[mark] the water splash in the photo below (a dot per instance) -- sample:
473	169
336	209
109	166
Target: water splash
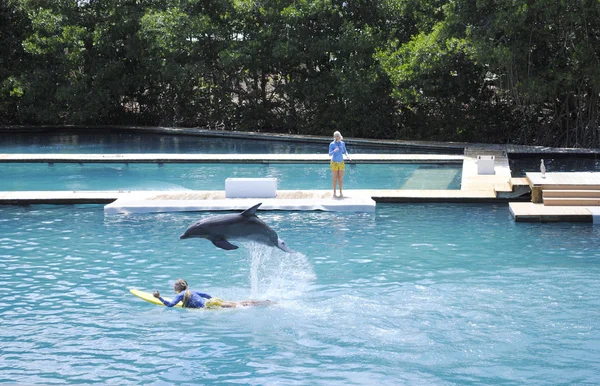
277	274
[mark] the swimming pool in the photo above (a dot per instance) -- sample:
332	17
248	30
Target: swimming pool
72	176
413	294
521	164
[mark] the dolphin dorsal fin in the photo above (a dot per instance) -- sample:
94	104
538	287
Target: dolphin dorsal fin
251	211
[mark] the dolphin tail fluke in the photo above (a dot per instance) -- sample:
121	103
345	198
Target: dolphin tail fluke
251	211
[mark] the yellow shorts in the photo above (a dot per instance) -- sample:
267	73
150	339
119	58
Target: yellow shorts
337	166
213	303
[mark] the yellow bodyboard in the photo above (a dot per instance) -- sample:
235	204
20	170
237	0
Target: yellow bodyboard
150	298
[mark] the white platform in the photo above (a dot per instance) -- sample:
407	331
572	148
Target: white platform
132	205
251	187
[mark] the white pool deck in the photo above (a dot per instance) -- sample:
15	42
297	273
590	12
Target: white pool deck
194	202
531	212
495	187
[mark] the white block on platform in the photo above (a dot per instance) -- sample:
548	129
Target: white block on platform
485	164
251	187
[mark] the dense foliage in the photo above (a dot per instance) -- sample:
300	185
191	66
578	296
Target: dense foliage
455	70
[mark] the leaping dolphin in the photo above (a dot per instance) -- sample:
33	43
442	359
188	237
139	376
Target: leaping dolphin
244	226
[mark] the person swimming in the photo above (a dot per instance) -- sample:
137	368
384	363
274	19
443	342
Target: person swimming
196	299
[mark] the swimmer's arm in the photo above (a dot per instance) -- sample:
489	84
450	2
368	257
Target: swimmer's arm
206	296
173	302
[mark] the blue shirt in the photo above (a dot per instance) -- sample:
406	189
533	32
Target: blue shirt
337	156
196	301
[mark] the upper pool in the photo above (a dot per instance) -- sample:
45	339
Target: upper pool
119	142
73	176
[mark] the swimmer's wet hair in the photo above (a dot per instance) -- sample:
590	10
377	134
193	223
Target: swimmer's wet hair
182	283
187	295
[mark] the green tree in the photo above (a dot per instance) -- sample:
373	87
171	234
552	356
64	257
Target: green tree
308	67
13	27
186	82
81	60
542	59
469	70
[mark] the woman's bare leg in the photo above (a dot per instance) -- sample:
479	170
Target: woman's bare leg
229	305
247	303
341	181
334	177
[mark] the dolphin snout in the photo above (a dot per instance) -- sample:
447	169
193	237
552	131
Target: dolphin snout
189	235
281	245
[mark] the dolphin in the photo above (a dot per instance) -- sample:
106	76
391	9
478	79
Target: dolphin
241	226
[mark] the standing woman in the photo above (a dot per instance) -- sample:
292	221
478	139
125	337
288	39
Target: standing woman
337	149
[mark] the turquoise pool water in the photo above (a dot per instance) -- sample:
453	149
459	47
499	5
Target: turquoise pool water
33	176
412	294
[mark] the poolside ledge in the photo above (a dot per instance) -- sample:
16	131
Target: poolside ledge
534	212
129	206
194	201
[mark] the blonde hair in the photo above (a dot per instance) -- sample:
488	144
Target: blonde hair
188	294
337	133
